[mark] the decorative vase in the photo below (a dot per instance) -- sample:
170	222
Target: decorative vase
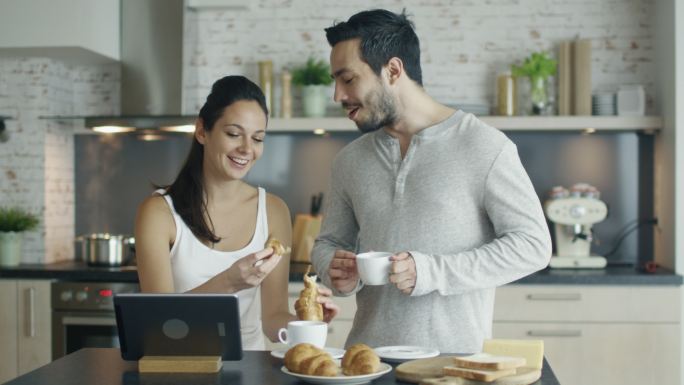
10	248
314	99
539	95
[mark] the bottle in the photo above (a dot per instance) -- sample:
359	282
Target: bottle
266	83
286	98
506	94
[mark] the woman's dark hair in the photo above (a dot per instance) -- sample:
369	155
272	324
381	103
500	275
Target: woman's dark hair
187	191
384	35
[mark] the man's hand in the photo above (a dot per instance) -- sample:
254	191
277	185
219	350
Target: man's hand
343	272
403	272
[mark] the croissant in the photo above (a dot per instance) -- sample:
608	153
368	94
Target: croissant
307	306
277	246
310	360
360	359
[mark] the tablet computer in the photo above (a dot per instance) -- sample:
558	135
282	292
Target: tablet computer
178	325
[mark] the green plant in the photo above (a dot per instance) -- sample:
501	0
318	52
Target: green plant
537	65
16	219
312	73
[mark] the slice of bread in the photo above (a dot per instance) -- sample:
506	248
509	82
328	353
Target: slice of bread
488	361
478	375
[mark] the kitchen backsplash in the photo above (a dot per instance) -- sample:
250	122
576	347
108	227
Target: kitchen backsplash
111	183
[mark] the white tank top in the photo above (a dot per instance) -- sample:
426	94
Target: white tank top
193	263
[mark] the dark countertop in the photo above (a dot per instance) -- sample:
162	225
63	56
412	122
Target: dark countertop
79	271
105	367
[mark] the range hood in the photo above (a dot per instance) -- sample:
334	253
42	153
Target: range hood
151	69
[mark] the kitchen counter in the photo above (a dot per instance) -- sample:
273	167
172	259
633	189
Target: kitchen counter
79	271
105	367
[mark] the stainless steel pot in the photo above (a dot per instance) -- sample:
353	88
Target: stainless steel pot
102	249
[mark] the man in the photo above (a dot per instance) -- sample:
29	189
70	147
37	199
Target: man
439	188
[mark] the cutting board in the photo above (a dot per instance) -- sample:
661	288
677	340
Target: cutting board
426	370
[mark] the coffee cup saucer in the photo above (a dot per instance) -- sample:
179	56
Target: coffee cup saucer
334	352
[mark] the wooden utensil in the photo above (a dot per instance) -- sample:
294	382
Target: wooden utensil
430	371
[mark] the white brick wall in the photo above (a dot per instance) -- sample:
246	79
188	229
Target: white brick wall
464	43
37	163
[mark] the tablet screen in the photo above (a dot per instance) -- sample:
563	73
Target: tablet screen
178	325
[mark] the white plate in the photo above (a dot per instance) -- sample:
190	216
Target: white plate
334	352
341	378
404	353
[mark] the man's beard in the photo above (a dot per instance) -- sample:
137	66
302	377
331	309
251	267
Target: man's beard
382	109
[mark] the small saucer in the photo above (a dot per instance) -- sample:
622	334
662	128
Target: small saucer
404	353
334	352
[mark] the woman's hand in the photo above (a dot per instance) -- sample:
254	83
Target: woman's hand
250	271
330	309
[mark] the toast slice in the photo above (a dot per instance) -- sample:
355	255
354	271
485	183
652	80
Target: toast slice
478	375
488	361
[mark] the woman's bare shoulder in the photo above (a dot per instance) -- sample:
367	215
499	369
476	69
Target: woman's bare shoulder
154	205
275	205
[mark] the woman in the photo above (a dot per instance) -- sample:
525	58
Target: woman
205	233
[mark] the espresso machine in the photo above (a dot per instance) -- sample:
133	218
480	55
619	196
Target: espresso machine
574	213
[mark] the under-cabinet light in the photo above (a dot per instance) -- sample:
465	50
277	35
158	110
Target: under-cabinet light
319	131
588	131
189	128
112	129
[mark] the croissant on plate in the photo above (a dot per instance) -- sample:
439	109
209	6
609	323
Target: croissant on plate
360	359
307	306
310	360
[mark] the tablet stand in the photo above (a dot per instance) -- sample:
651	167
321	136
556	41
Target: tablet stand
180	364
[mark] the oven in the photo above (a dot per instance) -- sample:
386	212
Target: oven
83	315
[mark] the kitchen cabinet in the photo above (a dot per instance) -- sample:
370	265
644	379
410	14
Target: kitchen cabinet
25	326
338	329
597	334
76	31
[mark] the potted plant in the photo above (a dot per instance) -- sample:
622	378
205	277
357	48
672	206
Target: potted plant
313	78
13	222
538	67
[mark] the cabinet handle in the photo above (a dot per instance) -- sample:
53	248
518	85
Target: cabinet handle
30	312
554	333
555	297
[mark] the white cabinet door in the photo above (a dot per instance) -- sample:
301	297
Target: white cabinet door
604	353
8	330
34	325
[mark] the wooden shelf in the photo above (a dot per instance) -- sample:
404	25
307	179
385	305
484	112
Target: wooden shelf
648	124
547	124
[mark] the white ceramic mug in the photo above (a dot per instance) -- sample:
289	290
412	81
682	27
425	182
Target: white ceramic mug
297	332
374	267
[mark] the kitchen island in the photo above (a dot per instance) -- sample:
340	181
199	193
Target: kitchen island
105	367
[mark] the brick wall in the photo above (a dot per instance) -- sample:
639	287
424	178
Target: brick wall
464	43
37	163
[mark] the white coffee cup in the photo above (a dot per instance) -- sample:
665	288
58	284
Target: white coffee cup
297	332
374	267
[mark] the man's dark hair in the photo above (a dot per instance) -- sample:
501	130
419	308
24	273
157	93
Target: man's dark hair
383	35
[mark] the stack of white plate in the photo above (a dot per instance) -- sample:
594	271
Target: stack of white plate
603	104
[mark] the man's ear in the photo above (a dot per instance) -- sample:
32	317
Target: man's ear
395	69
200	132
